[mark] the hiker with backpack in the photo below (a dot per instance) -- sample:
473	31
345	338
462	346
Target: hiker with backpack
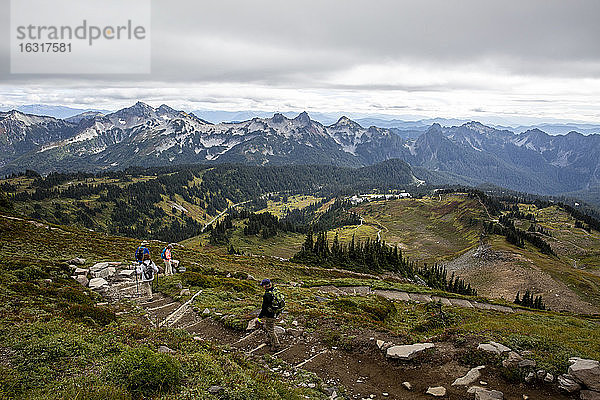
272	305
147	269
141	251
167	258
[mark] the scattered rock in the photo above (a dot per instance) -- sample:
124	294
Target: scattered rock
380	343
586	372
165	349
549	378
493	347
279	330
214	389
294	332
295	323
526	363
97	283
540	374
80	271
437	391
251	324
568	384
487	394
408	352
473	389
207	312
82	279
77	261
530	377
98	266
102	273
407	385
513	360
470	377
185	292
127	272
589	395
198	338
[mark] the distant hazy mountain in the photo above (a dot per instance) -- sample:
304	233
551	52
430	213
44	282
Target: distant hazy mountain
472	153
61	112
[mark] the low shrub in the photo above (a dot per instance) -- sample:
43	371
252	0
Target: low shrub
199	280
90	313
144	372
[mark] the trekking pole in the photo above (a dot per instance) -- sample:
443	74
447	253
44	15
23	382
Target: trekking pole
137	285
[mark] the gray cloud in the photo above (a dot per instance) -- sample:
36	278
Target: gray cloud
261	53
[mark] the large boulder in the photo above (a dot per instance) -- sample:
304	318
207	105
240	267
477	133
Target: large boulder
493	347
568	384
97	283
586	372
77	261
409	351
469	378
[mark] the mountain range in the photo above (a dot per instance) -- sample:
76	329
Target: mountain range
470	153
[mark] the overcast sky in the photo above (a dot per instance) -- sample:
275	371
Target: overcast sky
465	59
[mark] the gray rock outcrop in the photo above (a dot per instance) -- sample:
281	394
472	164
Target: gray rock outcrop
586	372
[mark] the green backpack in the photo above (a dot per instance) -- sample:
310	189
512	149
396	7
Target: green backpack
278	303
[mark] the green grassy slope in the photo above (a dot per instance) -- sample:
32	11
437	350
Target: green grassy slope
78	344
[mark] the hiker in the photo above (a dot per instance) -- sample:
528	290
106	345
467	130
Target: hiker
141	251
167	258
273	303
146	269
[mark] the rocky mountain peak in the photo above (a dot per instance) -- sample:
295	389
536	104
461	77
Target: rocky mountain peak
278	118
303	118
345	121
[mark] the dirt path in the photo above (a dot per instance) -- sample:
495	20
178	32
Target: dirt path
364	372
223	213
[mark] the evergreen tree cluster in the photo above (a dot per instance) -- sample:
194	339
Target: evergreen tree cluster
367	256
436	277
506	227
528	300
218	233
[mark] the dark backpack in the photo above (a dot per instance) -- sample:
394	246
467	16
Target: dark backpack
148	271
278	303
139	253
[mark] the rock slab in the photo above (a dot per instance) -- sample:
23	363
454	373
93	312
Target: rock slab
568	384
437	391
487	394
409	351
97	283
469	378
493	347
